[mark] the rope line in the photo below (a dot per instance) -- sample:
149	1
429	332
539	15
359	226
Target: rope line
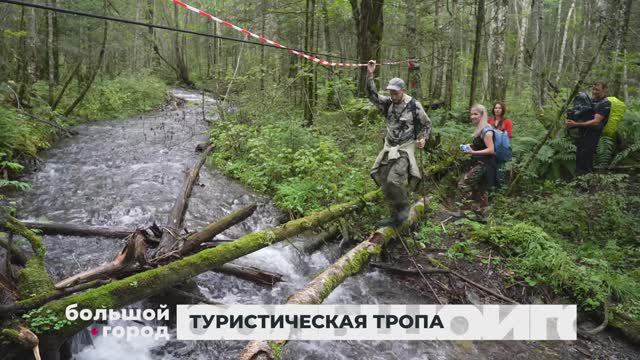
297	52
151	25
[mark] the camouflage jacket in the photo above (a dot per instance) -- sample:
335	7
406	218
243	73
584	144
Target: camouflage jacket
399	118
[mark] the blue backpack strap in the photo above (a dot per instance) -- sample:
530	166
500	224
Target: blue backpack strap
487	129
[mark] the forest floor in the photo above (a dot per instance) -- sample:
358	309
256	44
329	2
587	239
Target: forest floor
485	267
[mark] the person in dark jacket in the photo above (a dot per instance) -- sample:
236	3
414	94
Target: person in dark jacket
591	130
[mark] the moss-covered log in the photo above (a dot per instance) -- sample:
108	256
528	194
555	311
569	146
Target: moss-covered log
34	278
139	286
322	285
43	298
208	233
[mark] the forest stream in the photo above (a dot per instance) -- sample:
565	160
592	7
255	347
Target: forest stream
127	173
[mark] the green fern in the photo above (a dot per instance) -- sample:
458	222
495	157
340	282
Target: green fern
17	185
606	149
625	153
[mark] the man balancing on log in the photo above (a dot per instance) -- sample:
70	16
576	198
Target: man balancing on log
396	169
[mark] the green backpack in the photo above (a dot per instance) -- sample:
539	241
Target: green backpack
615	117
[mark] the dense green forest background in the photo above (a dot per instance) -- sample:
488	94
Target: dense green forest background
304	134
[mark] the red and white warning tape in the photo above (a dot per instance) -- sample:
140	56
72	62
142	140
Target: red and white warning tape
271	42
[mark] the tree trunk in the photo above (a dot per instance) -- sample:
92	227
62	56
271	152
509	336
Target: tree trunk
179	49
176	217
620	64
553	41
452	55
564	41
434	78
84	91
539	73
67	82
476	51
263	28
50	55
369	37
120	293
497	81
322	285
308	66
413	43
78	230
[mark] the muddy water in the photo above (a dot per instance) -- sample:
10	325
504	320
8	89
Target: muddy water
127	173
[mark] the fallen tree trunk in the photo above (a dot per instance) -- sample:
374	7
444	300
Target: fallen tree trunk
24	337
135	252
318	240
250	273
78	230
120	293
208	233
168	240
38	300
322	285
132	254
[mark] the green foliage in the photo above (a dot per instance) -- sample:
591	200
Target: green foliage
304	172
580	239
541	260
122	96
606	210
41	321
20	136
605	152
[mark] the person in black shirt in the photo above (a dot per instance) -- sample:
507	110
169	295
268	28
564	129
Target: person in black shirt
474	187
591	130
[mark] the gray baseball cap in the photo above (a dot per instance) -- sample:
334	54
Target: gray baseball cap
396	84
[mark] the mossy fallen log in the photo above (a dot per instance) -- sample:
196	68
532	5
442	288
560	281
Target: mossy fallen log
120	293
322	285
192	242
33	278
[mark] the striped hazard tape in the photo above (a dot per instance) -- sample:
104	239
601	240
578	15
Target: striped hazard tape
276	44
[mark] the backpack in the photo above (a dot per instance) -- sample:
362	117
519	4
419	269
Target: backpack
582	108
615	117
413	107
501	144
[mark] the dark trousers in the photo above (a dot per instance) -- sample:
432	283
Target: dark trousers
586	151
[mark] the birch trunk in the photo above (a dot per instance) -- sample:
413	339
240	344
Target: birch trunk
322	285
564	40
497	74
